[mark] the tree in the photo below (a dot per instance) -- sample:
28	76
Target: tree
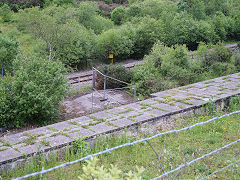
118	15
47	26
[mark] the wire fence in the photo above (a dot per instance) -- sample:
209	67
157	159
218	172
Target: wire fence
147	140
100	94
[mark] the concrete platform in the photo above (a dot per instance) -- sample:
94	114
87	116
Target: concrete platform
16	147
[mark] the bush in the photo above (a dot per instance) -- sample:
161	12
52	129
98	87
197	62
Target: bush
60	2
177	66
6	102
118	15
8	52
34	92
93	171
213	54
148	31
78	46
119	42
22	4
183	29
116	71
5	13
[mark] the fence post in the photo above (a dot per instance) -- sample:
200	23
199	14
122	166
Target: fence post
94	77
104	95
135	93
79	83
2	72
92	99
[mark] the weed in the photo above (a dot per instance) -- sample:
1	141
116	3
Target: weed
45	143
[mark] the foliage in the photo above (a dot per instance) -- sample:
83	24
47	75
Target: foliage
176	66
60	3
22	4
78	46
93	171
81	147
6	103
213	54
116	41
5	13
34	92
169	67
116	71
118	15
8	52
148	31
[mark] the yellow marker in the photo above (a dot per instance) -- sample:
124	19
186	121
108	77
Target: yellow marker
111	57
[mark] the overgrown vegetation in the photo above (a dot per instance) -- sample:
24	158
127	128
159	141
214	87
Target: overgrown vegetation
179	148
75	34
85	33
33	94
169	67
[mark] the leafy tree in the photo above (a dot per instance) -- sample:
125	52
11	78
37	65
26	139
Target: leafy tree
46	26
66	3
183	29
194	7
148	31
8	52
118	15
158	9
16	5
116	41
78	46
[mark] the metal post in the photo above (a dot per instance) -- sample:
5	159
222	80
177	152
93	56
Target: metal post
135	93
104	96
92	100
79	83
94	77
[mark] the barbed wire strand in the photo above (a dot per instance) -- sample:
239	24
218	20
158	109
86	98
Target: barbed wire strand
124	145
219	170
195	160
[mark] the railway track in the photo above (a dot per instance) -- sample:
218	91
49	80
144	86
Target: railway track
86	77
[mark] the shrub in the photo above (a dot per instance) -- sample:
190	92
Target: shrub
22	4
213	54
93	171
78	46
60	2
183	29
148	31
6	102
116	71
35	91
99	24
5	13
8	52
118	15
119	42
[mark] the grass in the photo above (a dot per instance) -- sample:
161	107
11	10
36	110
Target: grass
181	147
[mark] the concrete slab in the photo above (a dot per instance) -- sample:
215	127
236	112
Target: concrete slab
122	122
102	128
9	155
14	138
